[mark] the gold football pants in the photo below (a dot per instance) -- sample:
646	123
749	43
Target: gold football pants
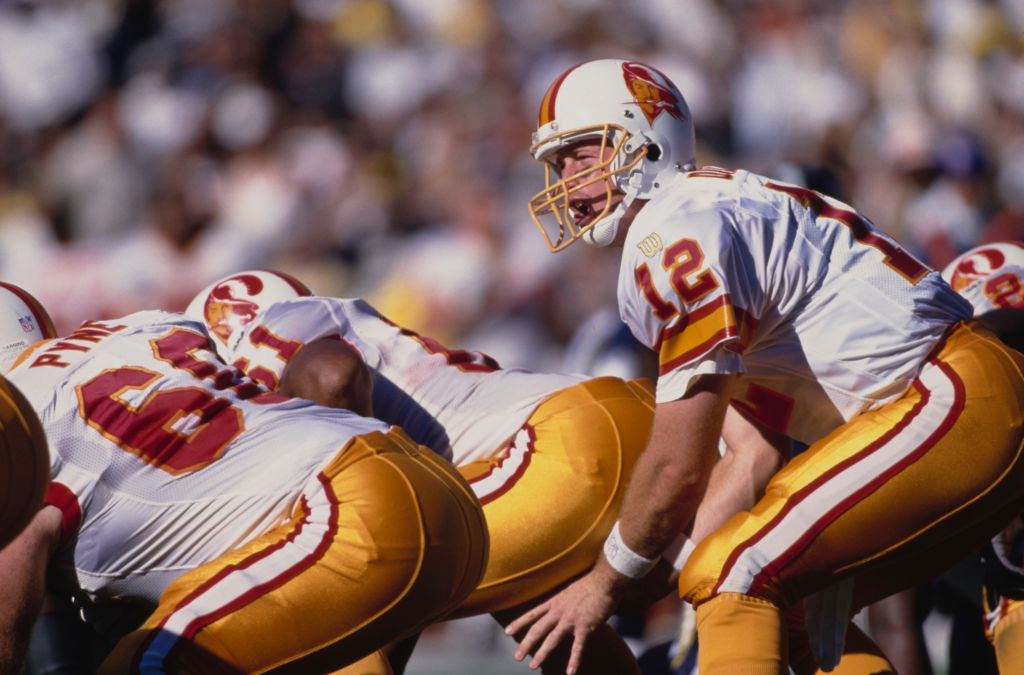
551	499
894	496
388	540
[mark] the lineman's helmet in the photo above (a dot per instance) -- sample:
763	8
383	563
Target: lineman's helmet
982	262
233	301
23	322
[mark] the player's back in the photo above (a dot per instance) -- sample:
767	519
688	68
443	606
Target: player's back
826	313
162	457
442	398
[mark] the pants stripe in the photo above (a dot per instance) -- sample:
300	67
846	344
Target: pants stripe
814	507
504	475
233	586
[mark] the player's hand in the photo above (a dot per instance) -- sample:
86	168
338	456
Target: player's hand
577	610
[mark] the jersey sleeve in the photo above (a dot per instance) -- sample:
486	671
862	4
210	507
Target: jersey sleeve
677	296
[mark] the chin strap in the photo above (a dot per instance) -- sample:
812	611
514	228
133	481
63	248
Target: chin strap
604	230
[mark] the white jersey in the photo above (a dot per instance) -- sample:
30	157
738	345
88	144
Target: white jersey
824	316
459	403
163	454
990	276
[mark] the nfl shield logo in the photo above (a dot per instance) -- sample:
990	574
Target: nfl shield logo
26	324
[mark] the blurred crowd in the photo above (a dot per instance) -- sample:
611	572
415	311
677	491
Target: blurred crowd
380	147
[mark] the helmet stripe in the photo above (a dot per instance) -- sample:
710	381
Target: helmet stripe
38	313
547	106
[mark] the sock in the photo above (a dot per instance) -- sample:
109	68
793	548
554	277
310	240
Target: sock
1009	638
741	635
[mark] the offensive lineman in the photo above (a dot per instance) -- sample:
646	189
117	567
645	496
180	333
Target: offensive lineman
991	277
274	533
790	308
547	454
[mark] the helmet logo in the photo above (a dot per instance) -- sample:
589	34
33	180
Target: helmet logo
976	266
228	305
27	324
651	91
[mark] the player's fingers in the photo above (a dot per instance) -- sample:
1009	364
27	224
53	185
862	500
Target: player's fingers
537	631
576	655
550	642
525	619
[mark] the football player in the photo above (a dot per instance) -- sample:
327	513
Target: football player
268	532
24	471
991	277
548	455
790	308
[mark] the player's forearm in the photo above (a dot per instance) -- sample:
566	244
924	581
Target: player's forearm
23	586
662	499
734	486
671	476
753	455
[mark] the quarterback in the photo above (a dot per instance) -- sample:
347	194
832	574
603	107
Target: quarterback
792	312
267	532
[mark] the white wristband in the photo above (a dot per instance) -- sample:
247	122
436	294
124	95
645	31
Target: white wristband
679	551
622	559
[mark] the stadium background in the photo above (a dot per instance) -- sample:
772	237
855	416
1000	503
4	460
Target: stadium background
379	148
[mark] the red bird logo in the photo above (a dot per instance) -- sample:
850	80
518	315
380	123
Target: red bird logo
651	91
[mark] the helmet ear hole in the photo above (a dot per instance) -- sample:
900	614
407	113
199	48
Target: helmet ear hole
653	152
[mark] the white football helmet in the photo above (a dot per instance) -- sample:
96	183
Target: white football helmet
981	262
628	106
23	322
233	301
